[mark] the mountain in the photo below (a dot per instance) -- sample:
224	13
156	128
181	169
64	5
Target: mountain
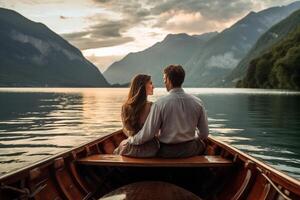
278	67
263	44
206	36
174	49
33	55
209	66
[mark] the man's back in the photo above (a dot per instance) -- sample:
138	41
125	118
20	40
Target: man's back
180	114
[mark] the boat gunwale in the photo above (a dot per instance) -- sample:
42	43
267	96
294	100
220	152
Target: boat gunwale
275	175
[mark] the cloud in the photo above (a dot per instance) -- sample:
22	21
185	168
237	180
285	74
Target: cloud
269	3
131	10
212	9
225	61
192	23
193	16
90	43
103	34
108	29
13	3
190	16
204	15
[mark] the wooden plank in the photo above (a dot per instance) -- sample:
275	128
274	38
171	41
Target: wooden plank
117	160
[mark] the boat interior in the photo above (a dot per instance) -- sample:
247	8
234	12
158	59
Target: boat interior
91	171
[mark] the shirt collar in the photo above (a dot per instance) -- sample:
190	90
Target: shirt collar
176	90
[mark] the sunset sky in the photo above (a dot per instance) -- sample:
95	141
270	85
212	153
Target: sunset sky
107	30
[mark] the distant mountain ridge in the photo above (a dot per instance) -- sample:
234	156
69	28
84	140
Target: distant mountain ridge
174	49
33	55
263	44
208	62
206	36
209	67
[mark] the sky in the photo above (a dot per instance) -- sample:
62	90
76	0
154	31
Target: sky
107	30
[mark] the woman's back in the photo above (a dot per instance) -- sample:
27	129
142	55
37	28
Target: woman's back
145	113
141	120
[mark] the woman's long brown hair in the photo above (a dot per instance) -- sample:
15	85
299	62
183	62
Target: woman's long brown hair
133	107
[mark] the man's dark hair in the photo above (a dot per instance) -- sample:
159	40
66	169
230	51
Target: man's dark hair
176	74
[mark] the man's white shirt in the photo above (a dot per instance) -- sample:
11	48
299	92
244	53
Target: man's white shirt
175	118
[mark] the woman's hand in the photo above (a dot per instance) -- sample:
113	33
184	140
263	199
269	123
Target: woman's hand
124	143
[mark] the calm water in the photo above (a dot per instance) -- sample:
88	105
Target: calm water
36	123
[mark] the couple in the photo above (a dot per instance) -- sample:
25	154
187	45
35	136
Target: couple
172	127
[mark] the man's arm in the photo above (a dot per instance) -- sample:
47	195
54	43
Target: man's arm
150	128
203	124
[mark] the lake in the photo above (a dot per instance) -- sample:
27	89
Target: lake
36	123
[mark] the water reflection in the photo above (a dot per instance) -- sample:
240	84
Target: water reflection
36	123
101	111
263	125
31	125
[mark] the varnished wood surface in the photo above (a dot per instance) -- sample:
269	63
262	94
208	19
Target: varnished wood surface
150	190
117	160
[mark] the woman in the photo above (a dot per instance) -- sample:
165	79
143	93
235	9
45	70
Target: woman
134	113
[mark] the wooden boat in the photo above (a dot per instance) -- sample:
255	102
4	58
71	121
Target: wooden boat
91	171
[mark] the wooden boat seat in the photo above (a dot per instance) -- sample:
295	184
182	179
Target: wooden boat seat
118	160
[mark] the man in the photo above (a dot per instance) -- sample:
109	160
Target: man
178	120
